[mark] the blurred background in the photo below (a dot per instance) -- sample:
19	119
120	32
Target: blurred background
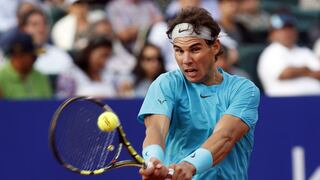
113	49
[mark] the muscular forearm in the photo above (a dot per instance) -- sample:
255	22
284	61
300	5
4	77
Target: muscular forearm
219	144
153	136
156	130
227	132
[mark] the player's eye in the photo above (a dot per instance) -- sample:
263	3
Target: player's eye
178	51
195	50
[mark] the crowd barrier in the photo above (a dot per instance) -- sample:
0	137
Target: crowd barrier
287	141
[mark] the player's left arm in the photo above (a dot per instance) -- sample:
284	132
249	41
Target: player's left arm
227	132
241	115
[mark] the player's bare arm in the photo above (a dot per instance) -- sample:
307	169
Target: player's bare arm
227	132
157	127
156	130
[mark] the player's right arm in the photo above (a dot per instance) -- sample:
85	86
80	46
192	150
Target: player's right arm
157	127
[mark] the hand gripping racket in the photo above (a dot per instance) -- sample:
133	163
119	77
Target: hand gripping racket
80	146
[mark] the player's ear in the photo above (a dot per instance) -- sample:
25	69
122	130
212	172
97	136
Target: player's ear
216	46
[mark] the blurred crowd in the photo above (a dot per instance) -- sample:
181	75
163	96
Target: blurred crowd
116	48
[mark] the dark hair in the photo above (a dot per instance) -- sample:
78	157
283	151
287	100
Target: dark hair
197	17
82	59
139	72
24	19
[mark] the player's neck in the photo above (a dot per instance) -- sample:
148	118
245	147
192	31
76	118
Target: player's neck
216	79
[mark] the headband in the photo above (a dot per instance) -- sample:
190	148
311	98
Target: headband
186	30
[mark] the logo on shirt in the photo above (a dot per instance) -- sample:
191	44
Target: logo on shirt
161	101
146	154
193	155
204	96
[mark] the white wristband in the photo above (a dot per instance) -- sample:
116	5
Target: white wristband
201	159
154	150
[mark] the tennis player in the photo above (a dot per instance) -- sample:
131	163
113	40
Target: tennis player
199	119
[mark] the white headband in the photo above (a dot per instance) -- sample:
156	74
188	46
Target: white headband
186	30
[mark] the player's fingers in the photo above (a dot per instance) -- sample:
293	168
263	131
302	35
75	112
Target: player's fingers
163	171
147	171
154	161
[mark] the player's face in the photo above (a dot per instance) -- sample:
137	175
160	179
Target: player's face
196	59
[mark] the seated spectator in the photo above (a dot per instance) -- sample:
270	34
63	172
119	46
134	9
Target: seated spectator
131	19
120	55
175	6
72	31
18	78
20	9
88	78
252	17
284	68
227	62
51	60
229	23
149	66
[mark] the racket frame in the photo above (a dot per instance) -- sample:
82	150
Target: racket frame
137	160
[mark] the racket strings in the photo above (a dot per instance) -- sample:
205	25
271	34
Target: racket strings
78	139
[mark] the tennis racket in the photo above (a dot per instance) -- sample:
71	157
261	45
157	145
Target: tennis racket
80	146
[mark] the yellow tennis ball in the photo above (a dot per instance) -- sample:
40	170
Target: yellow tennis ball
108	121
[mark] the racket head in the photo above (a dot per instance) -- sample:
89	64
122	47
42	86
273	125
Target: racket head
79	145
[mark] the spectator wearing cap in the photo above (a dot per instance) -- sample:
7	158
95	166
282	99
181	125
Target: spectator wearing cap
18	78
284	68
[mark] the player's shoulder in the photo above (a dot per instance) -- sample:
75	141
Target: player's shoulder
171	76
239	83
169	80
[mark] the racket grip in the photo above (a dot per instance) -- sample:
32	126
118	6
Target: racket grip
171	172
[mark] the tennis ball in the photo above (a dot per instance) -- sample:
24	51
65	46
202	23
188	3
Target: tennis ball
108	121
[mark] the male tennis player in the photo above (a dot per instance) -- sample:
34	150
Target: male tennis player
199	119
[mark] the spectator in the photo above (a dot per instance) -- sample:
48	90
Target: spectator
227	62
229	24
22	8
175	6
18	78
284	68
149	66
52	60
252	17
131	20
88	77
120	55
71	31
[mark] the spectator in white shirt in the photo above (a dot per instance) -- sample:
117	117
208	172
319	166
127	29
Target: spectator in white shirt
284	68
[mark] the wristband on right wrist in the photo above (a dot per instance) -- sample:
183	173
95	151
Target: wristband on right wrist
154	150
201	159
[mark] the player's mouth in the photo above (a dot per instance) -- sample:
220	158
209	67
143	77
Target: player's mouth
190	72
